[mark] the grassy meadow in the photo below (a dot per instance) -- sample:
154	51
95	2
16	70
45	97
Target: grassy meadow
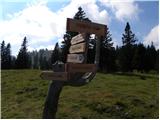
23	94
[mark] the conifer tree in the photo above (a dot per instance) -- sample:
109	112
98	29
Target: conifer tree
55	54
8	56
22	61
139	57
107	57
127	50
150	58
128	37
3	55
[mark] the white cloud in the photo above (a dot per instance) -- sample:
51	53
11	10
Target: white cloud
40	24
152	36
123	10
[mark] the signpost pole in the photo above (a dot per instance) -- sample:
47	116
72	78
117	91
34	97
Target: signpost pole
51	103
98	42
55	88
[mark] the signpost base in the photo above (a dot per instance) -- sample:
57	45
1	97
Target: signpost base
51	103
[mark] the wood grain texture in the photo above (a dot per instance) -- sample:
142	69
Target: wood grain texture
78	48
86	27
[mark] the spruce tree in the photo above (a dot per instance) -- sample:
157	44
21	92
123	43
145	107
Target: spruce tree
55	54
107	57
81	15
127	50
128	37
22	61
3	55
139	57
150	58
8	56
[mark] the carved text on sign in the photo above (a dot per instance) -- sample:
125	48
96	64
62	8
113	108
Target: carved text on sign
78	48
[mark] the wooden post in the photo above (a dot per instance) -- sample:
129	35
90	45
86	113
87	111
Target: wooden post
87	45
98	43
51	103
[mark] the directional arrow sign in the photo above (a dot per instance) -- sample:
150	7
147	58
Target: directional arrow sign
77	48
75	58
77	39
50	75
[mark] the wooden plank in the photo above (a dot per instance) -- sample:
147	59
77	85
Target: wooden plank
50	75
72	68
77	39
87	27
78	48
75	58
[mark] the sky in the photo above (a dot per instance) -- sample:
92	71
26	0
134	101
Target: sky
43	22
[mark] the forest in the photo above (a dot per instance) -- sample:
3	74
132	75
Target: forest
131	56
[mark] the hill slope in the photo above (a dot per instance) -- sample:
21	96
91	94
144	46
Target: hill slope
107	96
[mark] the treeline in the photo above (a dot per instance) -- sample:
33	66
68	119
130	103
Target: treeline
126	58
25	60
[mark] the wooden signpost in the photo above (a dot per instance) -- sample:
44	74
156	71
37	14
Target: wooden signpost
76	69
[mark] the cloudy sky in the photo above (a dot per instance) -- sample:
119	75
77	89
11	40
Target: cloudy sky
43	22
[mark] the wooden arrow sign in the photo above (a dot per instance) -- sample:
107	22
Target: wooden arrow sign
86	27
78	48
75	58
73	68
77	39
50	75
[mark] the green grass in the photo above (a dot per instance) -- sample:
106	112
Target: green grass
107	96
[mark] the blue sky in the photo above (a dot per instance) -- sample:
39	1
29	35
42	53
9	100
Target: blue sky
44	21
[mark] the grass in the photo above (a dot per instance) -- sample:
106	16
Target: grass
23	94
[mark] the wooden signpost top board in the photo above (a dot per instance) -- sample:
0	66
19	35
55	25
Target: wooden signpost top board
85	26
